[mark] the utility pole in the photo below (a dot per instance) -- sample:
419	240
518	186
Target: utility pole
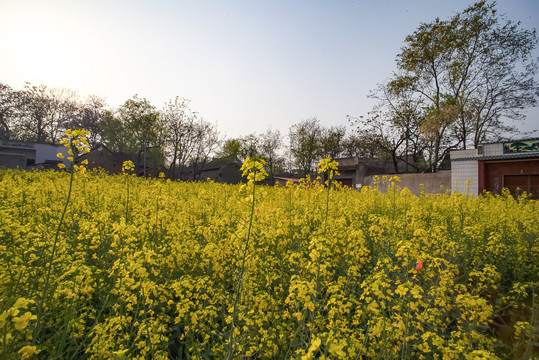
145	146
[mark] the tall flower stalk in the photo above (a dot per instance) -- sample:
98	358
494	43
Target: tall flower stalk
329	168
253	169
127	168
75	141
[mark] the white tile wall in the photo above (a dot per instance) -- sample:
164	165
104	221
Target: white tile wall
493	149
462	171
458	154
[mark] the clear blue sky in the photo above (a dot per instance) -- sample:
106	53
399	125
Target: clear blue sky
245	65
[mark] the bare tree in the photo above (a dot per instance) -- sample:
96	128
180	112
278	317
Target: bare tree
10	106
395	127
242	147
46	113
180	132
332	141
90	116
206	143
271	143
136	129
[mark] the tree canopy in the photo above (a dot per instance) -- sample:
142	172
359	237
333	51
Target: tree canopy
466	77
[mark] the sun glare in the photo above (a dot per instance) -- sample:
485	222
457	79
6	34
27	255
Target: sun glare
43	57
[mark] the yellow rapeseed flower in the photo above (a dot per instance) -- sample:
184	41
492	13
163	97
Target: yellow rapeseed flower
120	353
253	169
128	166
329	167
21	322
76	142
354	292
26	351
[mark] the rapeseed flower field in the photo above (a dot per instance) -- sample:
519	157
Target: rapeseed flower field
133	268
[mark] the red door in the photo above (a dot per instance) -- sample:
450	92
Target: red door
513	174
517	184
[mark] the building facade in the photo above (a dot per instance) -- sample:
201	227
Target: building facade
26	156
491	167
355	172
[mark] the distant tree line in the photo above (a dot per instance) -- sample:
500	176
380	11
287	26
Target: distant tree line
458	82
175	136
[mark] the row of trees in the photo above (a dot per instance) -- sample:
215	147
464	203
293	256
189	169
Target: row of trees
458	82
174	136
307	142
41	114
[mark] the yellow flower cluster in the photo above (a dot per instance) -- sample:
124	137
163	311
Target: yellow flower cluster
76	142
328	167
253	169
14	323
154	273
128	166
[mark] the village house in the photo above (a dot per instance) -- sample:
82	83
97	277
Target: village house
102	157
224	169
27	156
493	166
356	172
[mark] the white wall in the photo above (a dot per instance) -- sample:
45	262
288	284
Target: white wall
458	154
48	152
461	171
493	149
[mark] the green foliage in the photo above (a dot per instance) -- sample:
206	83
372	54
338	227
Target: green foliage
305	144
468	75
136	129
266	146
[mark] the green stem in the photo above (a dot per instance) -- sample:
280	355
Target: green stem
232	344
327	208
127	199
323	236
51	259
149	339
320	256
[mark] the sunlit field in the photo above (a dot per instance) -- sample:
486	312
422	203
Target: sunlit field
139	268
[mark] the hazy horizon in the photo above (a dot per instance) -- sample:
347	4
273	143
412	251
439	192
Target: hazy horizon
245	66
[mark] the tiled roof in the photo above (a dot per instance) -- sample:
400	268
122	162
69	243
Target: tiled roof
510	141
523	155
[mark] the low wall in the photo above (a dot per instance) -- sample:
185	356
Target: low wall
433	183
12	161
